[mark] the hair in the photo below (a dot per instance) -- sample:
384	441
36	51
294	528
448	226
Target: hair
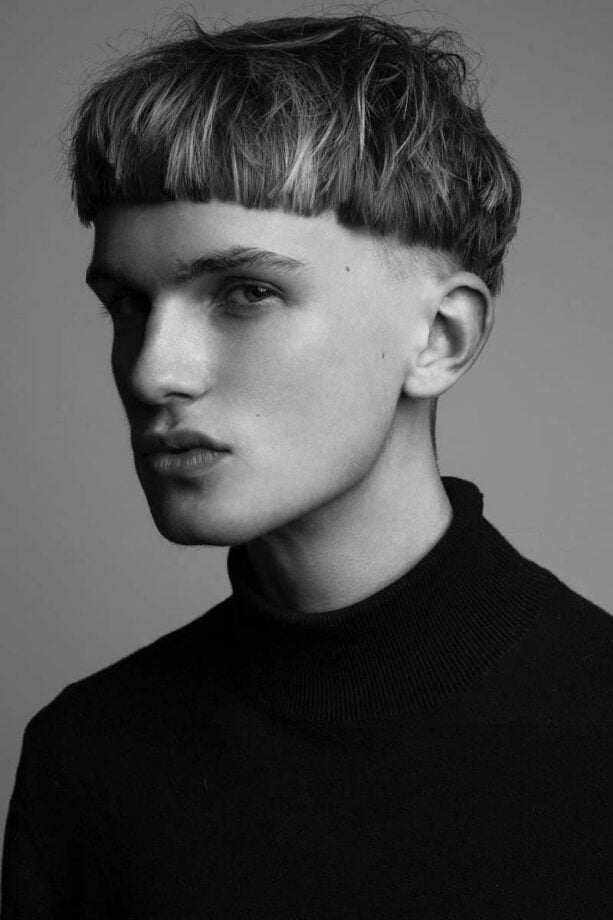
379	122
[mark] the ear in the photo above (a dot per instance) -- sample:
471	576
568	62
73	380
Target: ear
460	319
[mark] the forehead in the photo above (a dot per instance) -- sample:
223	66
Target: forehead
156	237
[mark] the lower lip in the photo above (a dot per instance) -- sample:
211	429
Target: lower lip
192	462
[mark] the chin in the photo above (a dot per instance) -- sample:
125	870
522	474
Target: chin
187	530
189	525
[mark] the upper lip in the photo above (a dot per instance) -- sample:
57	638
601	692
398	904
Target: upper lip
177	439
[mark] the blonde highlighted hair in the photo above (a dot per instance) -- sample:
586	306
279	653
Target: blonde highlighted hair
376	121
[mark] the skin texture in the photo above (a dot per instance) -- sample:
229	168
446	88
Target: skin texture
319	386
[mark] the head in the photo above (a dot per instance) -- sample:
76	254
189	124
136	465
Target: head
356	151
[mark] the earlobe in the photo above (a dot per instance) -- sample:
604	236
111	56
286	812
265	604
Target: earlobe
461	322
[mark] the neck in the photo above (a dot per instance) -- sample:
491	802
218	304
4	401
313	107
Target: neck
361	541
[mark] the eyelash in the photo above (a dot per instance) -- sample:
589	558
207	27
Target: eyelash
107	310
249	284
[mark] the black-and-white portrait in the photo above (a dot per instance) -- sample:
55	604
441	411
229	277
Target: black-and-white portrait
306	327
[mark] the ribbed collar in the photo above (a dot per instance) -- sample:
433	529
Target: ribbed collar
413	643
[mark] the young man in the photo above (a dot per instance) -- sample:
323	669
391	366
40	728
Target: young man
300	227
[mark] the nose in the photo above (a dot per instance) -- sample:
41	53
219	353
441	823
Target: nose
174	358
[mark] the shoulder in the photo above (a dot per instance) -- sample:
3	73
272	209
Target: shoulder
578	629
148	683
561	671
581	633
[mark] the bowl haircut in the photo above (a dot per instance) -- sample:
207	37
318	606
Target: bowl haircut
376	121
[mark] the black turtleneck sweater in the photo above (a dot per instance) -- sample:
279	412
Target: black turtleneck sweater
441	749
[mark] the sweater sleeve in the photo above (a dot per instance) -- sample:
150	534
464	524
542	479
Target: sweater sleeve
37	870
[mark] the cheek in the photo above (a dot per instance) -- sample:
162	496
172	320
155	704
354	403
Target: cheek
330	392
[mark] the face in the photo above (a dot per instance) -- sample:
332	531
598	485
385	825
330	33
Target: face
295	364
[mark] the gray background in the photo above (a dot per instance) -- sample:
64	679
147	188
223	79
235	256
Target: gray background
86	577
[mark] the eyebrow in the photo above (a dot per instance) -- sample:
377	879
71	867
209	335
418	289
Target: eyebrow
217	261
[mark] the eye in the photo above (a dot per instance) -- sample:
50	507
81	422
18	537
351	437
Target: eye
130	308
246	296
125	308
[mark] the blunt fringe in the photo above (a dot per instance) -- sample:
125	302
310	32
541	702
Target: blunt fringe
379	122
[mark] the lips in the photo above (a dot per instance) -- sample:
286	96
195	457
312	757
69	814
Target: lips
185	463
176	441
